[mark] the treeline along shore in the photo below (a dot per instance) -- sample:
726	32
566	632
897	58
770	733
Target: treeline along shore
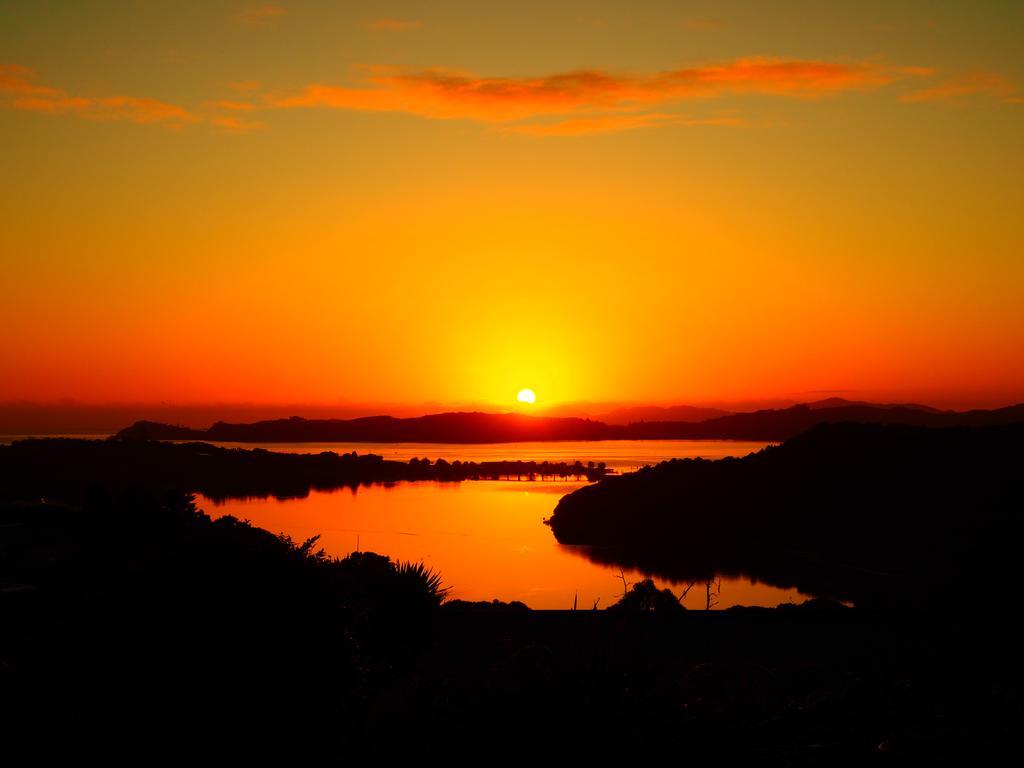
68	468
768	425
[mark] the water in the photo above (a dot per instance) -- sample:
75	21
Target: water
486	538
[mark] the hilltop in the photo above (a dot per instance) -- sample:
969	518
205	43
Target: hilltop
870	512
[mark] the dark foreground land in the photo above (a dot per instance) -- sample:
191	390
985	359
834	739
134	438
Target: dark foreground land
139	631
136	630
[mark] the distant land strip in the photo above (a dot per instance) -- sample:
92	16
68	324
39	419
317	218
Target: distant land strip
69	470
765	425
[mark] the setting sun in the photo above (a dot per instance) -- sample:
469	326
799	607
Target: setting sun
527	396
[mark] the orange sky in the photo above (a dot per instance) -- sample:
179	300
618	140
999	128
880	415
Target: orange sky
410	202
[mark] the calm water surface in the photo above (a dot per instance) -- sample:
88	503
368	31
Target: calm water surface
486	538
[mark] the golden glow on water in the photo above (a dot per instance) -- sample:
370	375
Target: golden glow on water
487	540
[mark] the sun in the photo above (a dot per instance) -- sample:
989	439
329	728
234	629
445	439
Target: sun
526	396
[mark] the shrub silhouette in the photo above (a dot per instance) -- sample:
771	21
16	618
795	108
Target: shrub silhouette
185	631
423	582
645	596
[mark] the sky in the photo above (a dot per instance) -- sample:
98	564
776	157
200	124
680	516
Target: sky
401	202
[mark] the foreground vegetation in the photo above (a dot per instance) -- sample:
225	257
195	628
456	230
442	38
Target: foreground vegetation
138	630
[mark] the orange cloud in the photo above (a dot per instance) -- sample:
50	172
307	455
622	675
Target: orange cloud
965	86
601	124
16	79
394	25
16	84
260	15
445	94
137	110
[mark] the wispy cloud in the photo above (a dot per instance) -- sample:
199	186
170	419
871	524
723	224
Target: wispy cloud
603	124
19	90
393	25
578	103
17	80
260	15
963	87
234	124
446	94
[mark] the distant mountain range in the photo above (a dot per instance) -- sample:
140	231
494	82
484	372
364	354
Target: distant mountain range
627	414
839	402
678	413
768	425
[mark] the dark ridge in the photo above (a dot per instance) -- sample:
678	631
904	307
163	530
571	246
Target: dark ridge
679	413
782	424
769	425
869	512
842	402
437	428
66	469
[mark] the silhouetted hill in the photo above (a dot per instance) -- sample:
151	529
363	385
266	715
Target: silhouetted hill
677	413
771	425
853	510
842	402
782	424
436	428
